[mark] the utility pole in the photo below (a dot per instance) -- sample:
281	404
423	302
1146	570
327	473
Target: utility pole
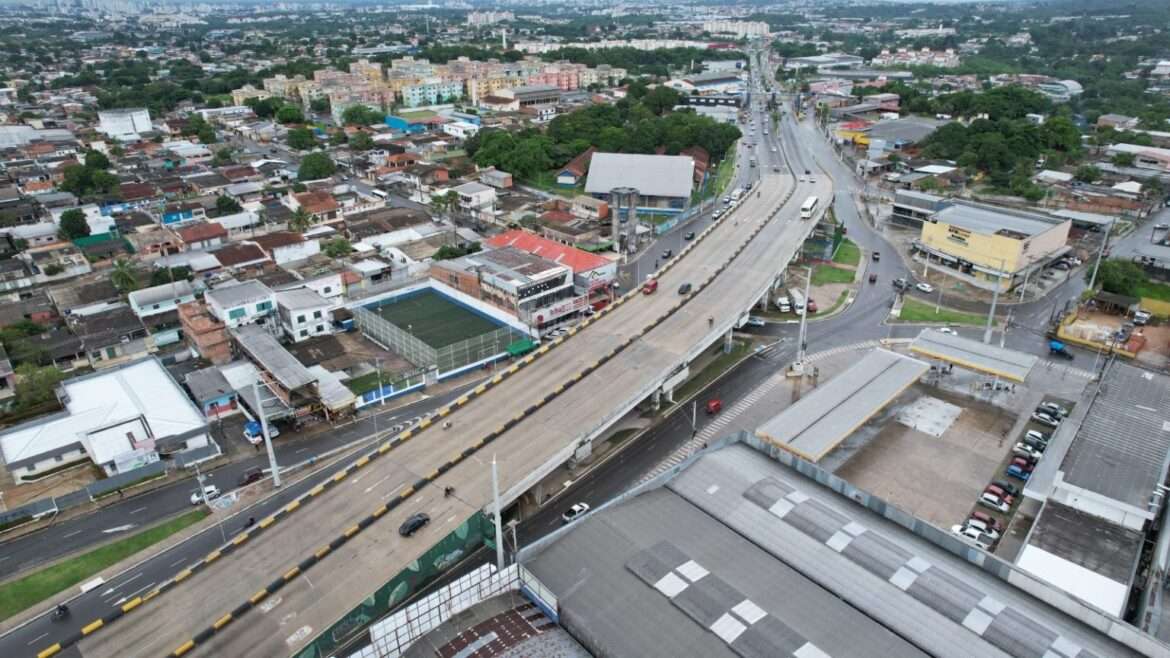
496	503
267	437
694	416
803	321
994	301
1101	252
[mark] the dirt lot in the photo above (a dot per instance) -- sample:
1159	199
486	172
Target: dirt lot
1097	326
57	484
937	479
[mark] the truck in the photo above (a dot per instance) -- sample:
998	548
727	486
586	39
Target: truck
797	299
737	194
1057	348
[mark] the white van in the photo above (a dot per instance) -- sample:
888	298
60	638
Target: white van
379	193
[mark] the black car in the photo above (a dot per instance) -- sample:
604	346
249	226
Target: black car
684	289
689	236
413	524
251	475
667	254
901	284
1010	488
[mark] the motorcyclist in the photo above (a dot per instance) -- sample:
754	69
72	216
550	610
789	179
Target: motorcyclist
448	492
61	611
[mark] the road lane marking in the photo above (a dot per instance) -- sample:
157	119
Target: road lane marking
74	533
178	562
121	528
375	485
140	509
38	638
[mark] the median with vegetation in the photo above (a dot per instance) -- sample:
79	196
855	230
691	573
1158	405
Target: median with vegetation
27	591
914	311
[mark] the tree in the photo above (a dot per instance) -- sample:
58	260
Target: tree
447	251
227	205
441	204
301	139
169	275
206	135
337	247
319	105
1087	173
73	224
300	221
36	385
316	166
290	114
337	138
661	99
96	160
1119	276
361	141
123	275
362	115
1123	159
224	156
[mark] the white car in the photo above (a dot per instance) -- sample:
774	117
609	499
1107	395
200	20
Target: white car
1045	419
574	512
210	492
1024	450
982	527
971	536
992	501
925	287
948	330
1053	409
754	321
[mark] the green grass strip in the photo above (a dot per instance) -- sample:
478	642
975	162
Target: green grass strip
40	585
916	311
848	253
823	274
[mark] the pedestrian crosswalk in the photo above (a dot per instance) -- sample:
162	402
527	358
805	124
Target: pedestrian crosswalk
824	354
1070	370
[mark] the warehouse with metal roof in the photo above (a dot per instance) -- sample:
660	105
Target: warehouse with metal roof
815	424
740	555
663	182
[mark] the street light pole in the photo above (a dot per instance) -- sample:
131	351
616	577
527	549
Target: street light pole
496	504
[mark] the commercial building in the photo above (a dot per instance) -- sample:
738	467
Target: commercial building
989	246
537	291
125	124
663	182
119	419
1144	157
1098	491
592	274
825	61
741	551
529	95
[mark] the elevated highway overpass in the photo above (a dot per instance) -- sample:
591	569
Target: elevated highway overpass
534	419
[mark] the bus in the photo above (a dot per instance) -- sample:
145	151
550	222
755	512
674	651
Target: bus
809	207
797	299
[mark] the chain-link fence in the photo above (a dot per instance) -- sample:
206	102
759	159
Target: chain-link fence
385	333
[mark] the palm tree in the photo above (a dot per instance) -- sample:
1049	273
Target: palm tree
301	220
124	276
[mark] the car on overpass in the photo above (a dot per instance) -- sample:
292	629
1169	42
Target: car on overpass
413	524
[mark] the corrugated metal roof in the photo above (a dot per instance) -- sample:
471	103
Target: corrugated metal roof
651	175
974	355
819	421
1122	447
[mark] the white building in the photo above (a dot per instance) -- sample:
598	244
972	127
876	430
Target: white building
124	125
461	129
303	313
242	303
119	418
161	299
477	200
97	222
740	29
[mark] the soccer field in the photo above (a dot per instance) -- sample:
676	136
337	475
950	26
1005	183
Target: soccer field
435	320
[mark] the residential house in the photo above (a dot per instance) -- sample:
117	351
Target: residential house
241	256
212	392
496	178
7	376
589	209
204	333
242	303
151	244
476	201
201	236
161	299
112	336
572	173
286	246
303	313
178	213
321	205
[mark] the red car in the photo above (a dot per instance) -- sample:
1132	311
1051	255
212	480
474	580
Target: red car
998	491
1024	464
987	519
714	406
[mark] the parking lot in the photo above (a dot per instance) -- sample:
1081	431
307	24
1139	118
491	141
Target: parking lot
933	472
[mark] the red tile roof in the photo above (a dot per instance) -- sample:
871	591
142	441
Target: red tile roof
579	166
317	202
278	239
576	259
239	253
201	231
